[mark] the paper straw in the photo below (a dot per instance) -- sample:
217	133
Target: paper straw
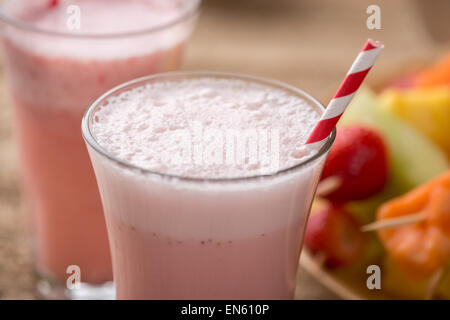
355	76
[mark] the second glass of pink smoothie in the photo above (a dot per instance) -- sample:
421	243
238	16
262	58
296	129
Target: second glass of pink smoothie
59	56
206	184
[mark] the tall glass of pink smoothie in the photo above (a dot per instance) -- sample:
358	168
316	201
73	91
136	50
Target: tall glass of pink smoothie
59	56
206	184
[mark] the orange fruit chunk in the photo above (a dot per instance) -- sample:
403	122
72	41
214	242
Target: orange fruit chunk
420	248
436	75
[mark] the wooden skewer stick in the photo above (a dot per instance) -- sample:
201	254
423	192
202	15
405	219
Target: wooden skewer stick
434	282
394	222
328	185
320	258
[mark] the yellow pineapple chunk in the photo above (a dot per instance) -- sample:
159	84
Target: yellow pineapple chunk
428	110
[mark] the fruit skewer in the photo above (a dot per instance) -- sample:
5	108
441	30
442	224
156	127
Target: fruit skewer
415	230
437	277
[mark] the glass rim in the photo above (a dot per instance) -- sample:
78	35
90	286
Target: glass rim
91	141
191	12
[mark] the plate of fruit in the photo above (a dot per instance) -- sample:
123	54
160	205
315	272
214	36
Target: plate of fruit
380	224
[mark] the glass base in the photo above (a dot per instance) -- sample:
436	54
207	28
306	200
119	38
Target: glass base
51	289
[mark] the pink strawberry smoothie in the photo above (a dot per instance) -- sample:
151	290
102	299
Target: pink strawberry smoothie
186	222
55	73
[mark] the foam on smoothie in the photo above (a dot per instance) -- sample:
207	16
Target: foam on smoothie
98	17
165	126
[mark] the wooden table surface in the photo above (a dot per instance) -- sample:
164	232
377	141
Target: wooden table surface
309	44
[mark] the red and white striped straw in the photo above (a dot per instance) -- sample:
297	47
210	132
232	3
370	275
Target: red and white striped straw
355	76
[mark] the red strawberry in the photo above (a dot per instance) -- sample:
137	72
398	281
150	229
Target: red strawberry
336	234
359	159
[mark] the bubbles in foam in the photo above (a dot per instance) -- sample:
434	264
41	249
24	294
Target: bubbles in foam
206	127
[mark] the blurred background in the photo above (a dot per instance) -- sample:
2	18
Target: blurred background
309	44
